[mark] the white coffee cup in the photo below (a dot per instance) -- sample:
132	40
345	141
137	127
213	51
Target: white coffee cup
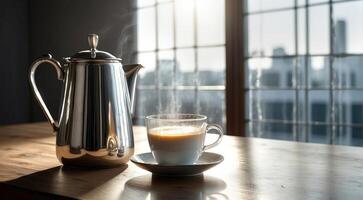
178	139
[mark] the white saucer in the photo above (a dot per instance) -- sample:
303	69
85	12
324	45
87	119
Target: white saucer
205	162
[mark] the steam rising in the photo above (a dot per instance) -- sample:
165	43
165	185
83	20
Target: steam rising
126	36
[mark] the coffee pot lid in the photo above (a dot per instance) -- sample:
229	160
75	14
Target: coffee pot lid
93	54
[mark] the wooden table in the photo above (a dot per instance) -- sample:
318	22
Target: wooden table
252	169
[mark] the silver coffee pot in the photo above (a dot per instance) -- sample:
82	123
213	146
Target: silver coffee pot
97	103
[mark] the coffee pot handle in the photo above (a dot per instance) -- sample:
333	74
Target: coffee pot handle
45	59
219	130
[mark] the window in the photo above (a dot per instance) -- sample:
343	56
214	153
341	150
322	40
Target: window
302	63
182	45
293	66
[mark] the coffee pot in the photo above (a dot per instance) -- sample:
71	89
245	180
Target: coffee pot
97	104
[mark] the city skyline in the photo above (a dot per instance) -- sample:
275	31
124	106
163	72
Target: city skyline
272	29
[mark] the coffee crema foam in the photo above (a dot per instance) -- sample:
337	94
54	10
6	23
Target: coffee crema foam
175	131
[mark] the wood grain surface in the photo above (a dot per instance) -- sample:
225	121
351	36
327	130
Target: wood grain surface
253	169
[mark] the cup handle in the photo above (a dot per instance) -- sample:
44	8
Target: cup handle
220	133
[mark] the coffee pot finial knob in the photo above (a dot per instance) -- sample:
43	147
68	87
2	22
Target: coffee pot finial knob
93	42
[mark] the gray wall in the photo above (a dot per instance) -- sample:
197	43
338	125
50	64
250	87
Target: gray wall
14	90
59	28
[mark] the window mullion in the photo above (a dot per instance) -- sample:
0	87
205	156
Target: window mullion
196	74
295	77
306	71
236	43
331	75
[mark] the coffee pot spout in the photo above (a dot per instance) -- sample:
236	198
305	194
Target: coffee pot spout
131	71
